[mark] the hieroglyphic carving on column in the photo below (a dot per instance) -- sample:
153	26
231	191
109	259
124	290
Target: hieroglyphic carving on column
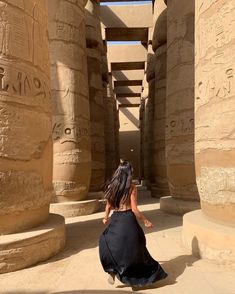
71	114
215	108
25	116
180	100
94	61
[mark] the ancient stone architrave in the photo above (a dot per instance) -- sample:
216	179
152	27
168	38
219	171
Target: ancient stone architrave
25	117
212	228
180	100
71	116
97	112
215	109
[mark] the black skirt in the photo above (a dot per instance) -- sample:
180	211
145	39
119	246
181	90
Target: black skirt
122	249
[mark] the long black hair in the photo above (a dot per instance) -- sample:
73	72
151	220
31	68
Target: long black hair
117	189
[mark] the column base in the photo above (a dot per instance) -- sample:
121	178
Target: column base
178	206
20	250
207	239
75	208
142	191
95	195
159	192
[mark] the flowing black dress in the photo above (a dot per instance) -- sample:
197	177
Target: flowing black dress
122	249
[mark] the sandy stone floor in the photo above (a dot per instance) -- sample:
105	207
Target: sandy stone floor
77	269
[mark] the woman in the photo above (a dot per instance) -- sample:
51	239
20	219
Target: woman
122	245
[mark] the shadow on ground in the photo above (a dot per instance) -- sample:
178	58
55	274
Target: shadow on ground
174	267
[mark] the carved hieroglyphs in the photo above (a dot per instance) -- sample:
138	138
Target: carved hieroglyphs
71	113
214	132
215	109
180	100
28	234
25	111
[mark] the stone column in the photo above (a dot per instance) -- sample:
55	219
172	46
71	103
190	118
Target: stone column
180	109
160	187
116	132
210	232
150	76
94	45
25	139
142	121
110	150
145	133
71	114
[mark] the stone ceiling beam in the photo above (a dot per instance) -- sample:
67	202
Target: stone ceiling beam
127	75
133	100
124	95
127	34
128	83
128	90
127	16
127	65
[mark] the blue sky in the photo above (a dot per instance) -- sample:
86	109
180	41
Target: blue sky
125	3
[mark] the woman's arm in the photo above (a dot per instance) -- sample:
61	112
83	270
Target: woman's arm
135	209
106	212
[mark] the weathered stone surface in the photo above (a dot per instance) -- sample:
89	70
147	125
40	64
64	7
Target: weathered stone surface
109	129
71	114
208	239
21	250
75	208
177	206
97	114
93	24
215	109
180	100
160	30
25	116
94	63
159	150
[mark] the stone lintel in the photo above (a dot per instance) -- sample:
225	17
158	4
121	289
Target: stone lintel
130	16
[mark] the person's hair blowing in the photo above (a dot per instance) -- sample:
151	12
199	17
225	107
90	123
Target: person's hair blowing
117	189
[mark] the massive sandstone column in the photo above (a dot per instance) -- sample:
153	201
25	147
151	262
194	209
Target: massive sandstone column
150	76
180	109
210	232
25	139
71	114
110	130
159	46
94	61
142	121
